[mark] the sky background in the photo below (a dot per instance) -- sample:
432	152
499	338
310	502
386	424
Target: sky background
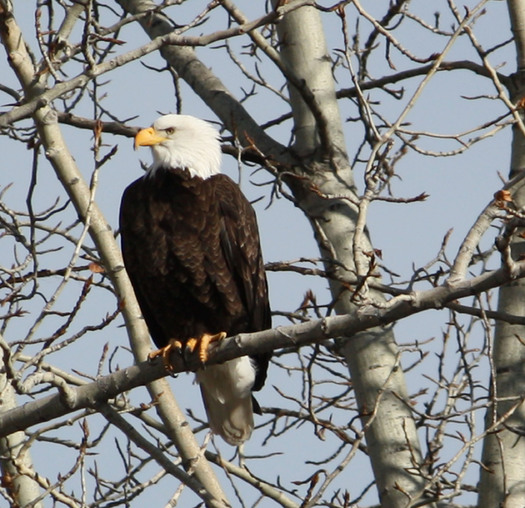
408	235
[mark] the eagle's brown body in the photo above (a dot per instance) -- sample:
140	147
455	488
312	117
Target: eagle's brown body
191	248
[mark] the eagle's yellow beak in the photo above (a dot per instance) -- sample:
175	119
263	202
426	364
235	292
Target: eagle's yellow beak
148	137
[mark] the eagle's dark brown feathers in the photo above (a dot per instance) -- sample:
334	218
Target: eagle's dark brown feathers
191	248
202	237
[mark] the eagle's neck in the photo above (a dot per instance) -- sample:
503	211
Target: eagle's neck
162	174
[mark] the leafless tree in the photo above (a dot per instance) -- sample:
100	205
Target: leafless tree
340	110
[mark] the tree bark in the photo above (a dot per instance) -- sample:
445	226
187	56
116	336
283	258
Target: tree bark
502	481
373	357
15	457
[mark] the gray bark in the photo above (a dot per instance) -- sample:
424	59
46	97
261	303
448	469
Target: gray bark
372	356
17	468
502	481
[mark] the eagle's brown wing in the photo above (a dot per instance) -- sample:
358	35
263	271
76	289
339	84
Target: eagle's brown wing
241	249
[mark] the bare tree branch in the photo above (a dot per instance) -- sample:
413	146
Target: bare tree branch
295	336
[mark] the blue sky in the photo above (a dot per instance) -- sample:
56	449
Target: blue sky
408	235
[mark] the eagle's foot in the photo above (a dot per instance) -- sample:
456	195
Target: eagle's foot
165	353
202	344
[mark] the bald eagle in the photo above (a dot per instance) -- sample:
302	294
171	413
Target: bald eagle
191	248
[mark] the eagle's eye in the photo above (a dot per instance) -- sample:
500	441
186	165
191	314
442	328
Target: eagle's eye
170	131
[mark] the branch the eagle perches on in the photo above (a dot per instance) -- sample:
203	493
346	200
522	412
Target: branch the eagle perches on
105	388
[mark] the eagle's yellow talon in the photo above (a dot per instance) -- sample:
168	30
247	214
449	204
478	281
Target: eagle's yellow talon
202	344
165	353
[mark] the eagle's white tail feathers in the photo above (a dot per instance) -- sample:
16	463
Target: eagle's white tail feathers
226	392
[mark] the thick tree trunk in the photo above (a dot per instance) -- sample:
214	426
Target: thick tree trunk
16	465
373	357
503	475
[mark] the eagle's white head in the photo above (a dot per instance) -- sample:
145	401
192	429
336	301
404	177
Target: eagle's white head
182	141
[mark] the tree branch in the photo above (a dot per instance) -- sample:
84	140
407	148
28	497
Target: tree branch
105	388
